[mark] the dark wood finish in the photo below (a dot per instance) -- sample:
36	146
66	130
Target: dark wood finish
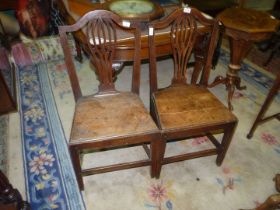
81	7
212	7
109	118
243	27
124	52
10	198
261	115
7	101
184	110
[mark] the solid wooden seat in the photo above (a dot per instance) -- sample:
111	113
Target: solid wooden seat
189	106
108	119
184	110
121	114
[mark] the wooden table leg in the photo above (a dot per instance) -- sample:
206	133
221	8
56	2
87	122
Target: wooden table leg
239	48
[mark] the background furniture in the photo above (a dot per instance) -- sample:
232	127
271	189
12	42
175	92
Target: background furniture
184	110
10	198
108	119
123	50
243	27
212	7
273	201
7	101
273	45
260	118
8	94
261	5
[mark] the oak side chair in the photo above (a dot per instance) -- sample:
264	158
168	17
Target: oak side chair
108	119
187	109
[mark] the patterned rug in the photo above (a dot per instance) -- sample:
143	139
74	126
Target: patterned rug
46	111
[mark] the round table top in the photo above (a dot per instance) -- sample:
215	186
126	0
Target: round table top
248	20
142	10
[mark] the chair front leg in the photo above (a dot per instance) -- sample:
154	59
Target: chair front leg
222	150
75	155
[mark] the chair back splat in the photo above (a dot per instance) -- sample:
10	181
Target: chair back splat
184	37
109	119
186	109
101	35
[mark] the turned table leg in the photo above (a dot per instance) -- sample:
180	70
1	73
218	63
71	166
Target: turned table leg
239	48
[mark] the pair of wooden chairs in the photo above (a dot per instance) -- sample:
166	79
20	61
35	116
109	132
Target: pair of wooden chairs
113	119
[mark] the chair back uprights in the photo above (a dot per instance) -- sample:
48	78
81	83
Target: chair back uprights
184	34
101	29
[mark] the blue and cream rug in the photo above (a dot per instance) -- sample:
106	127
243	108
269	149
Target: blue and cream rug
46	111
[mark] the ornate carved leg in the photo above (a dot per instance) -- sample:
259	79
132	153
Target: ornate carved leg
232	81
273	201
239	49
9	195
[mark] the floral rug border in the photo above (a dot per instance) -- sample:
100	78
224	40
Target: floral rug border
50	179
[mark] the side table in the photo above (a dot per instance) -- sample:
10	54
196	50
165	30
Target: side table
243	27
